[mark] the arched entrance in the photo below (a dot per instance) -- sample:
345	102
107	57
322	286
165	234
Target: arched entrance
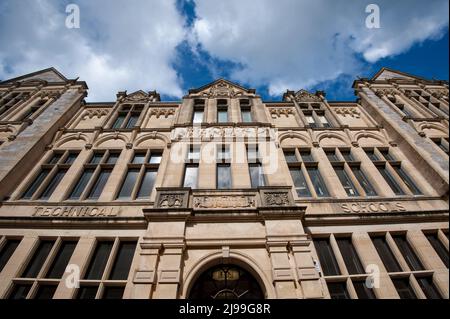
226	282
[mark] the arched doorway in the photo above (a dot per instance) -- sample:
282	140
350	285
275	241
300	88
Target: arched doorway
226	282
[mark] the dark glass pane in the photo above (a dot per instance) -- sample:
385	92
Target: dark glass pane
99	260
300	182
99	184
82	183
96	158
386	254
350	189
404	288
363	181
198	117
338	290
428	288
391	181
147	183
371	154
113	157
119	121
408	181
71	158
39	257
20	291
387	155
61	260
326	256
306	156
410	256
332	157
7	250
128	184
113	293
246	116
256	175
190	176
87	292
435	242
155	158
290	157
122	264
317	181
45	292
347	156
363	291
222	116
36	183
350	256
132	121
56	157
139	158
54	182
223	176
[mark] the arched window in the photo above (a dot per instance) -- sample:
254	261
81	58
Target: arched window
226	282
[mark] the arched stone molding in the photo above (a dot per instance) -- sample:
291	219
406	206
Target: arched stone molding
434	126
109	137
378	138
73	137
235	258
332	135
293	135
152	136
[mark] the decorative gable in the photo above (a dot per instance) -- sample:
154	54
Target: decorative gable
141	97
305	96
221	88
388	74
43	76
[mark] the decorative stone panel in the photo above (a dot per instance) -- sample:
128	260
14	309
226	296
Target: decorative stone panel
276	197
169	198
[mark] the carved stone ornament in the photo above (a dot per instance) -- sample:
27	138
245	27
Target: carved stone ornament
211	202
95	113
141	97
439	93
222	89
384	92
276	199
305	96
211	133
276	112
171	201
158	112
348	111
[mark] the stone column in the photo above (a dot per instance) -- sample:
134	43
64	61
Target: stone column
15	264
430	260
80	259
282	274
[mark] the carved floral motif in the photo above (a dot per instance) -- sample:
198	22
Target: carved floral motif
276	199
95	112
278	111
348	111
208	202
171	201
158	112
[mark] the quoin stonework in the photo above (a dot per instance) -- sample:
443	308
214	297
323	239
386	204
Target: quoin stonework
223	195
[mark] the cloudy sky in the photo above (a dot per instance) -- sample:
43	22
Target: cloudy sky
271	45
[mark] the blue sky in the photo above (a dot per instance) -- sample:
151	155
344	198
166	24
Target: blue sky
175	45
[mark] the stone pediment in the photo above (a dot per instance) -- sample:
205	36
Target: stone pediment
390	74
221	88
142	97
40	77
305	96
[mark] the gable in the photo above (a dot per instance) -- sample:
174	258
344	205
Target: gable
47	75
385	74
221	88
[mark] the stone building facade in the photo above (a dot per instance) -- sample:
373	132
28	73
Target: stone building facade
222	195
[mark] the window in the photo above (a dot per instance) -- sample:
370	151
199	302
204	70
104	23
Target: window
331	155
326	256
191	168
255	167
222	111
223	179
111	261
362	290
338	290
405	248
407	180
7	250
428	288
442	143
315	116
307	167
290	156
12	99
50	175
350	256
363	181
346	182
199	111
128	116
246	114
95	175
437	245
404	289
56	253
386	254
33	109
141	175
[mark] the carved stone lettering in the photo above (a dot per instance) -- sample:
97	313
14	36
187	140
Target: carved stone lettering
210	202
76	211
372	207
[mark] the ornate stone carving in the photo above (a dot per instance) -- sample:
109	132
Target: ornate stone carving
142	97
171	201
94	112
439	93
158	112
276	199
276	112
305	96
222	89
385	91
210	133
225	201
348	111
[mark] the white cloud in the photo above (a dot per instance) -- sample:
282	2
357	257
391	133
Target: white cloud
299	43
120	45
